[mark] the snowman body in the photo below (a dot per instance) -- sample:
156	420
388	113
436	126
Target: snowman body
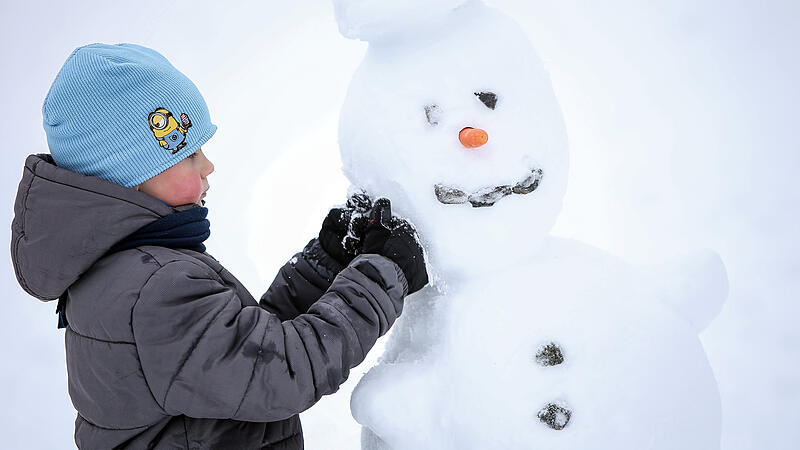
522	340
470	368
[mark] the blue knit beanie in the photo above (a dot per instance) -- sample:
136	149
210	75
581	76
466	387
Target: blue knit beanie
123	113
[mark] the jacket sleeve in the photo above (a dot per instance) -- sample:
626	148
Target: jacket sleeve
205	355
300	282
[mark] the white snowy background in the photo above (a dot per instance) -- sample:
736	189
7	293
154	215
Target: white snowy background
682	117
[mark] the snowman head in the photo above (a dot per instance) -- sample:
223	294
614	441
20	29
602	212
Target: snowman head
452	116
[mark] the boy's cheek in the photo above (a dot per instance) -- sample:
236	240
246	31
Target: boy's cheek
184	191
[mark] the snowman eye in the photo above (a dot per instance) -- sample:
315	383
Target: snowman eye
487	98
432	113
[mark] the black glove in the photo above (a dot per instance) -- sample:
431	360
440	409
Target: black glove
395	239
331	236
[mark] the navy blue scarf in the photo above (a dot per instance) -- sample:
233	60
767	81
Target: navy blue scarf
183	229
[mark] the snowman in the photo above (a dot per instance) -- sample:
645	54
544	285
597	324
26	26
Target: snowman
522	340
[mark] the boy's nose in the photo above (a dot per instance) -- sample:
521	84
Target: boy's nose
210	167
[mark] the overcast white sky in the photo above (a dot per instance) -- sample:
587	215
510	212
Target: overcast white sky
682	118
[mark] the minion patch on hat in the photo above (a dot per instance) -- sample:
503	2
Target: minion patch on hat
168	132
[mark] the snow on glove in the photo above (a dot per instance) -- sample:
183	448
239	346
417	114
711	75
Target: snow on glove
395	239
343	229
360	205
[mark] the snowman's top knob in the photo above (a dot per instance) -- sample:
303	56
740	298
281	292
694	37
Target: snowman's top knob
369	20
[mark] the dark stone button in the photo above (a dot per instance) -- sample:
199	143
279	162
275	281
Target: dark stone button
555	416
549	355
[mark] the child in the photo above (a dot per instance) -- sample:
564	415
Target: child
164	347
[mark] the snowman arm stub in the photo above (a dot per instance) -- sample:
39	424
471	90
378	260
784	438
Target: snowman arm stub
694	286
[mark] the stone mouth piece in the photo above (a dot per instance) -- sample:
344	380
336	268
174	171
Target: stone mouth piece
488	196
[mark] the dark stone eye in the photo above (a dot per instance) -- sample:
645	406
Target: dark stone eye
487	98
432	113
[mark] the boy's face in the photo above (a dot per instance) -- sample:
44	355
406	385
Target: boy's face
182	183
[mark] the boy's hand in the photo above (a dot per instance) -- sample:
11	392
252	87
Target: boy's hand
331	236
396	239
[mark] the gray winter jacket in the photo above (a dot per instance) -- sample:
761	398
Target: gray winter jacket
165	348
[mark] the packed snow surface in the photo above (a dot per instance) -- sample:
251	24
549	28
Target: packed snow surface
476	367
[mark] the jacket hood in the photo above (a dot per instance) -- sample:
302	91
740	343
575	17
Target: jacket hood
64	222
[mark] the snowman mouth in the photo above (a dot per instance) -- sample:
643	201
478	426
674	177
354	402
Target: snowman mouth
488	196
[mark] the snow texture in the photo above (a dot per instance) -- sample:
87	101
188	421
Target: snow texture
522	340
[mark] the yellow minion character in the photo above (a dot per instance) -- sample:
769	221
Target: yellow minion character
168	132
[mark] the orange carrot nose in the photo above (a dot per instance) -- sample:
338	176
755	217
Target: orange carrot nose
473	137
